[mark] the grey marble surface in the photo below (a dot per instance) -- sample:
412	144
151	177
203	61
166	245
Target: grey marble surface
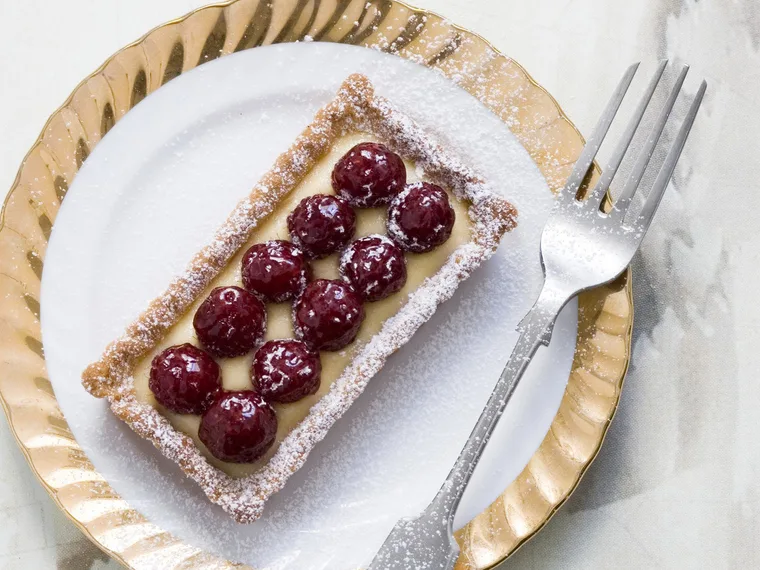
676	483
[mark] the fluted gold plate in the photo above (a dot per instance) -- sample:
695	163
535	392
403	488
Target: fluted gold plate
604	319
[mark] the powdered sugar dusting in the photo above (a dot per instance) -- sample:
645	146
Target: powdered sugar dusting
355	108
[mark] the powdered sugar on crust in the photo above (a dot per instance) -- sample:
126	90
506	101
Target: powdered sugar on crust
354	108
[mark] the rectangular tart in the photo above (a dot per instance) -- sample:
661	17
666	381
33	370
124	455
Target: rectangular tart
355	115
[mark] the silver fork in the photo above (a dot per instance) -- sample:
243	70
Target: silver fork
581	247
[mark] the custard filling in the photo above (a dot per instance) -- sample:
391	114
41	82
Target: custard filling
236	373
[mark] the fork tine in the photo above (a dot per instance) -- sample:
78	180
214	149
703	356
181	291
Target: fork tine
624	200
611	169
597	136
666	172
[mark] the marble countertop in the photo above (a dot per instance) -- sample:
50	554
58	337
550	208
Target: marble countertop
675	484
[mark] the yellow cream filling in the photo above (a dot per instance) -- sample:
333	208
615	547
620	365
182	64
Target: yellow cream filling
236	371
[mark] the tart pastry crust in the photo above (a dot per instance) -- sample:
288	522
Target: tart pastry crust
355	108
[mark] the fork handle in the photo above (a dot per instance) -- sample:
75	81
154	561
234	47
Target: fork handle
535	330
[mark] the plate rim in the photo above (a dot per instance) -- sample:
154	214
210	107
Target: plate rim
484	541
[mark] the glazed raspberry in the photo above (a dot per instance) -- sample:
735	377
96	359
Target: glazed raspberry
230	322
369	175
239	427
327	315
184	379
286	371
421	218
275	271
374	266
321	225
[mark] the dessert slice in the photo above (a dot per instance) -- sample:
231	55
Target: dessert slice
338	255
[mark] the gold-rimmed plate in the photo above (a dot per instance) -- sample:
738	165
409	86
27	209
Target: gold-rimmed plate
103	99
